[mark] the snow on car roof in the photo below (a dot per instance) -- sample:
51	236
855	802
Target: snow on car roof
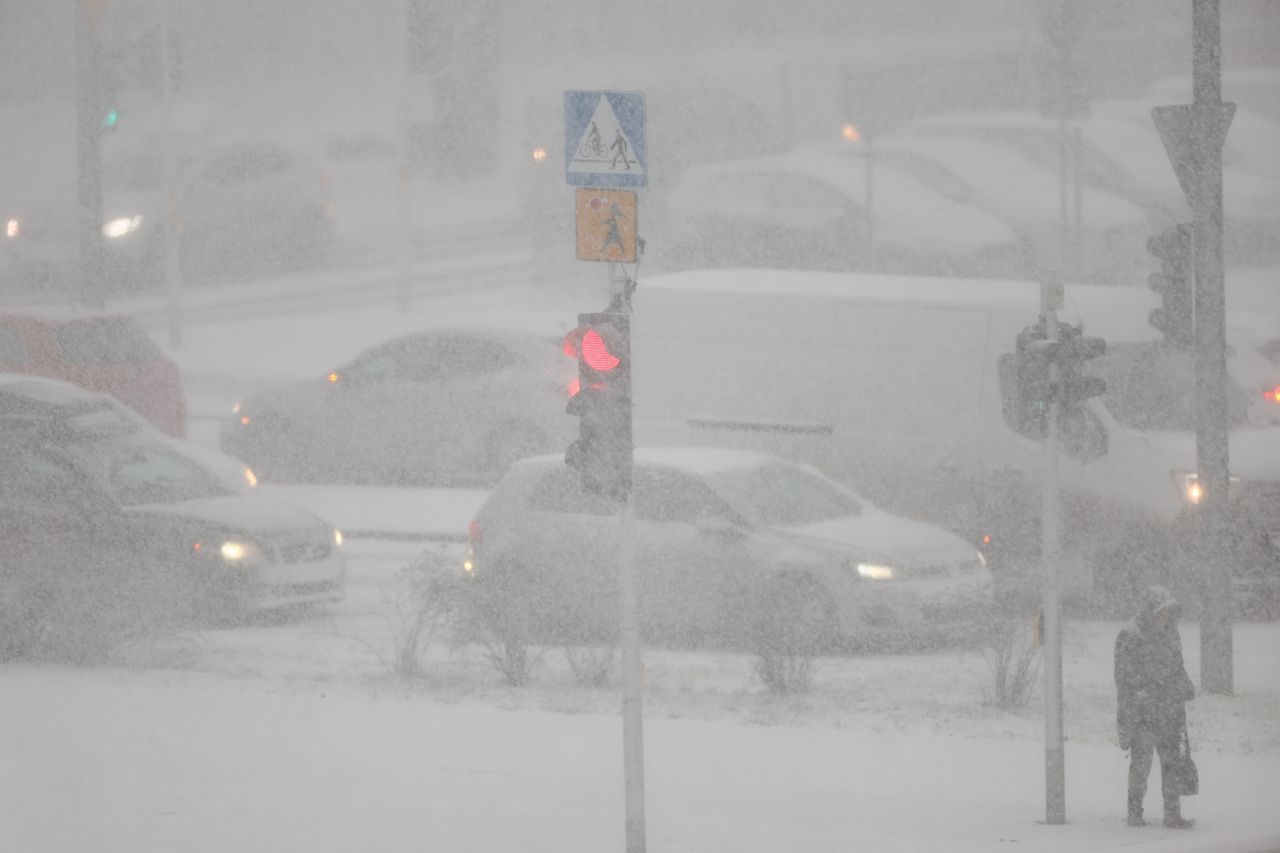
905	209
40	390
702	461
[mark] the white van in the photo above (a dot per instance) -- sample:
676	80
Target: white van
896	383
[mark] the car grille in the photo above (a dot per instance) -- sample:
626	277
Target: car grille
301	552
314	588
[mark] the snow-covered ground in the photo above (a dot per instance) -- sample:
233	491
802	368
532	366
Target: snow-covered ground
297	736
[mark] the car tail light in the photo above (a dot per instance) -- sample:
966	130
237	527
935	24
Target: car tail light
574	387
473	532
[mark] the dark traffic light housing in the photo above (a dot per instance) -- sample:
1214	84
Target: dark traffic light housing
1173	247
1036	387
602	454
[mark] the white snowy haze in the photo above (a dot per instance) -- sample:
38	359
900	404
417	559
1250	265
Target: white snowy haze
312	481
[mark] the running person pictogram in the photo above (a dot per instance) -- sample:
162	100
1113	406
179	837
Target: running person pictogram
614	235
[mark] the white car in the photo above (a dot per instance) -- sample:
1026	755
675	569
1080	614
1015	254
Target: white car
1113	231
1122	154
811	211
241	207
725	539
450	405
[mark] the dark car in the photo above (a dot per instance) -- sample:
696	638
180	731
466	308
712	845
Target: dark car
440	406
111	355
77	471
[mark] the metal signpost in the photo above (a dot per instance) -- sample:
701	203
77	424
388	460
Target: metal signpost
1193	135
605	153
172	262
1055	797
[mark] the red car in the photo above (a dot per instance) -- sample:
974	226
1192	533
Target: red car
111	355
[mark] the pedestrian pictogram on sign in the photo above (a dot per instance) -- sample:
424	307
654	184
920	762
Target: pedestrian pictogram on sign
604	139
606	225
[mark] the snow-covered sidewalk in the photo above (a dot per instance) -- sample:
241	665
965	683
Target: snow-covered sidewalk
164	761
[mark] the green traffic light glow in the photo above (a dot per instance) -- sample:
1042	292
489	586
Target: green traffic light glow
110	119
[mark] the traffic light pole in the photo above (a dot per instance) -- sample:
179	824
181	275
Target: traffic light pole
632	677
89	118
1216	652
1055	807
172	266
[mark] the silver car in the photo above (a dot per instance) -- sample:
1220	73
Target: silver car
438	406
728	541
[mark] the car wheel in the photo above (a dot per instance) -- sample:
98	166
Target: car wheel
797	617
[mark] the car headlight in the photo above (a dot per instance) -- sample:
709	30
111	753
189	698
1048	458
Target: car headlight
13	227
250	477
1189	488
233	551
122	226
875	571
337	537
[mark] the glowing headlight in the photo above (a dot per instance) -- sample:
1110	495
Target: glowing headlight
252	479
234	551
1190	488
121	227
337	537
469	561
12	228
876	572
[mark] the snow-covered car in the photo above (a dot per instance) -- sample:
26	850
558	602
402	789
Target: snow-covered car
77	463
242	206
438	406
1121	153
727	541
812	211
1112	230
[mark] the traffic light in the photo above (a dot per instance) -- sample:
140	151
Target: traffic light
1034	358
1033	380
1071	352
1175	282
602	454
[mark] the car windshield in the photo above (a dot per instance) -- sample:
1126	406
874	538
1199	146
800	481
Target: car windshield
784	495
1152	387
137	473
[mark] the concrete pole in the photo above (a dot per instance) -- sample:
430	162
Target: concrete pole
89	118
1055	804
1216	652
632	678
172	264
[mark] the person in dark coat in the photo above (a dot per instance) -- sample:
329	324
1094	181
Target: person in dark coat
1152	688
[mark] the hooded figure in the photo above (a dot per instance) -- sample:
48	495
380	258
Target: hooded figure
1152	689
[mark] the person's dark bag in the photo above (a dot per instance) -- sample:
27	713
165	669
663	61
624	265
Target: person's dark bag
1184	777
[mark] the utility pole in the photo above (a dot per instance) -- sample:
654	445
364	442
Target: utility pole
1193	135
1212	461
1055	785
172	264
404	200
89	118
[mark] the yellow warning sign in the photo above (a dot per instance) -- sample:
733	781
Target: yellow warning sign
606	225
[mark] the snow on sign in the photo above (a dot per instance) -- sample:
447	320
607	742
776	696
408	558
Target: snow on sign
604	139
